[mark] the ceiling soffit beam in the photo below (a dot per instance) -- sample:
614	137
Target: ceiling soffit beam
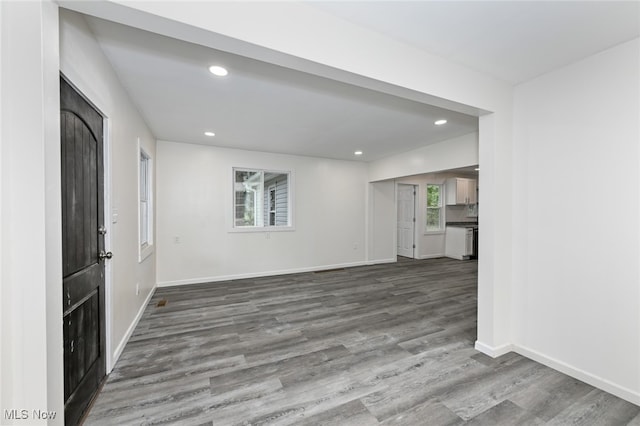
132	16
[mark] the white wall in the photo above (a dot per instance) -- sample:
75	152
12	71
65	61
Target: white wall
576	278
450	154
30	222
459	213
194	202
194	208
5	323
382	217
34	50
82	61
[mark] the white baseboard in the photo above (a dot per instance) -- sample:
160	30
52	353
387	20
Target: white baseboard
457	257
218	278
431	256
116	354
600	383
382	261
607	386
492	351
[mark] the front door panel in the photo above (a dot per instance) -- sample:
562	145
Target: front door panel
83	270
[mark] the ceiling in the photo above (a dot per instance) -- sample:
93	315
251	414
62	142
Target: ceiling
514	41
265	107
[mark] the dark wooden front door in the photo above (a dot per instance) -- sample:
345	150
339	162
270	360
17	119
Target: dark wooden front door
82	243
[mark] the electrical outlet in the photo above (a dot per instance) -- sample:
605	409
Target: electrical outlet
355	246
176	240
137	289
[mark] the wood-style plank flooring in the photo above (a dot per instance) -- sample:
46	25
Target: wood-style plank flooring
386	344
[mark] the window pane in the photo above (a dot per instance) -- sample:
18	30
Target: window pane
433	195
144	223
143	176
276	199
434	207
248	190
433	219
145	200
261	198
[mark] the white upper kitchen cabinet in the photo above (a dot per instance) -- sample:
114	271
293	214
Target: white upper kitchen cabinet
461	191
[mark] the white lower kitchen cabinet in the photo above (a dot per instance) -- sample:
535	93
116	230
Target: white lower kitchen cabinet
459	242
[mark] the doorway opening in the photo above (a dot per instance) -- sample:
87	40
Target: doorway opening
406	217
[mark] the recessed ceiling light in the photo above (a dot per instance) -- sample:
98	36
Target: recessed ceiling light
440	122
358	153
209	134
218	70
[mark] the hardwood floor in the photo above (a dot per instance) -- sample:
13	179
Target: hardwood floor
386	344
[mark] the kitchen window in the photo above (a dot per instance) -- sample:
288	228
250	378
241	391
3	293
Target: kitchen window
435	215
261	199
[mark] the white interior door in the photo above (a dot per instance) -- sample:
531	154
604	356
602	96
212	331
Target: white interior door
406	220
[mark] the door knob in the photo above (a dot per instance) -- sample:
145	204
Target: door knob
102	255
102	230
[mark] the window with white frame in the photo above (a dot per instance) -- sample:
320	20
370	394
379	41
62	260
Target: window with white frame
145	209
261	198
435	216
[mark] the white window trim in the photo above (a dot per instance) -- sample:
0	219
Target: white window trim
232	228
443	221
144	251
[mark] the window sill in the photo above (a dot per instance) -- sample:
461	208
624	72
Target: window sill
439	232
263	229
145	252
